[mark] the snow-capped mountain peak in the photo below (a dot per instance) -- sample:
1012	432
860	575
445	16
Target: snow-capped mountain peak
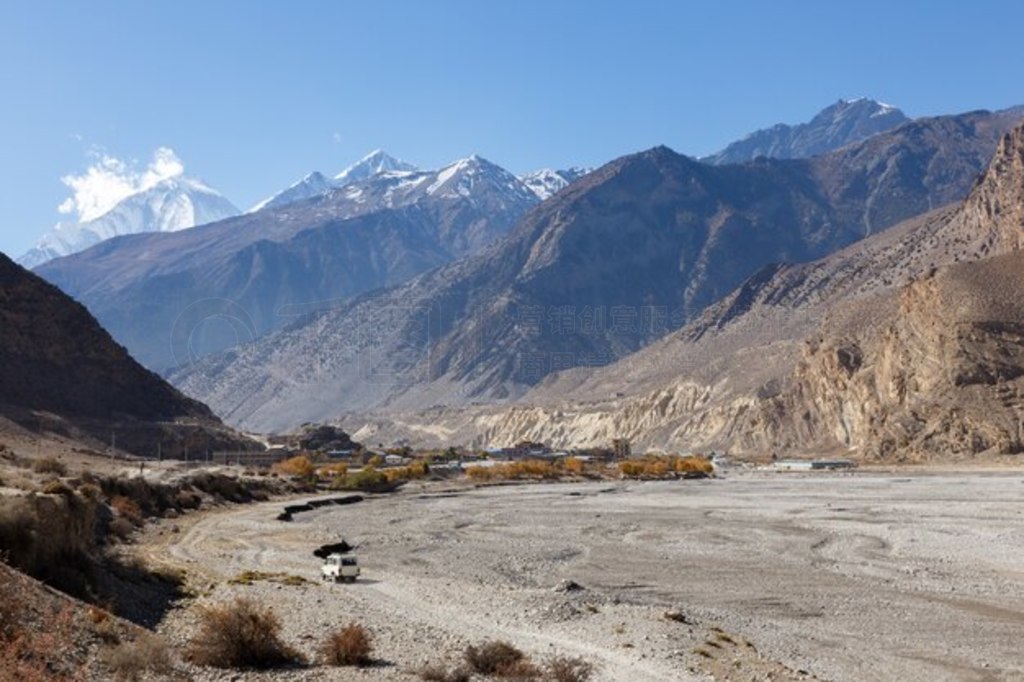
374	163
459	178
174	203
547	181
312	185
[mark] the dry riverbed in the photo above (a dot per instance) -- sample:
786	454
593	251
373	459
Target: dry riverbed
751	577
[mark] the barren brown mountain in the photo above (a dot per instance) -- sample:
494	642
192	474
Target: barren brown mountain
59	370
908	344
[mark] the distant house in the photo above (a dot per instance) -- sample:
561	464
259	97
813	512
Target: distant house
621	447
252	458
813	464
522	450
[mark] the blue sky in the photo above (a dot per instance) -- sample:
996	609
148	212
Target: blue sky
252	95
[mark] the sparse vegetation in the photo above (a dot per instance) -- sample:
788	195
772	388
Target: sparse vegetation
564	669
493	658
130	661
250	577
240	635
127	509
350	646
50	465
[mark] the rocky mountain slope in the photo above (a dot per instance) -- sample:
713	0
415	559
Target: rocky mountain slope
173	204
610	264
315	184
905	346
59	369
171	298
833	127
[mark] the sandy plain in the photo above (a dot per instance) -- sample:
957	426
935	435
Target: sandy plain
766	576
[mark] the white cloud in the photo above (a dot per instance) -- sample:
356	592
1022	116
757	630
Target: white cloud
109	180
336	137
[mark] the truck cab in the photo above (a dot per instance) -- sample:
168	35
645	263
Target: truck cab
340	568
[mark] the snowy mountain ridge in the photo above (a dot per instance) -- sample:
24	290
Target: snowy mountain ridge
175	203
547	181
373	164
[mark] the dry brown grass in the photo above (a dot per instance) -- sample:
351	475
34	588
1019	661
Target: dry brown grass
240	634
350	646
131	661
31	643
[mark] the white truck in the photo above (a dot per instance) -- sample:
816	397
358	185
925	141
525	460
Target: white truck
340	568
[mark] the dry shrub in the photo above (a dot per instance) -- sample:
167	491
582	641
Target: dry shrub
49	465
523	669
352	645
491	658
90	491
131	661
240	635
299	466
57	487
563	669
121	529
127	509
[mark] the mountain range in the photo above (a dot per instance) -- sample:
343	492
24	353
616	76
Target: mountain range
171	298
620	258
315	184
836	126
175	203
906	346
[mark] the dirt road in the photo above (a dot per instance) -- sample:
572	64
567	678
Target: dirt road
839	577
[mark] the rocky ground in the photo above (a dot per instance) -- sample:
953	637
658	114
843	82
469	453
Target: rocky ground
755	576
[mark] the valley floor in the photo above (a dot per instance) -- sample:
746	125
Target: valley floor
865	576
